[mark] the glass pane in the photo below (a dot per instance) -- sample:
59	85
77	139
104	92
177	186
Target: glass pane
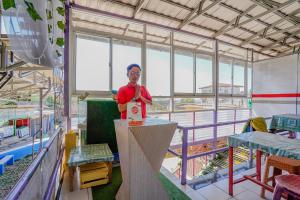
158	70
238	77
192	104
225	83
225	103
124	54
204	74
183	65
160	105
249	81
92	64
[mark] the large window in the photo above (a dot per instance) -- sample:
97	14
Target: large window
124	53
249	80
204	74
239	77
92	64
231	76
158	70
183	67
225	76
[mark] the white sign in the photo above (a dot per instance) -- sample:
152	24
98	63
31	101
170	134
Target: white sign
134	111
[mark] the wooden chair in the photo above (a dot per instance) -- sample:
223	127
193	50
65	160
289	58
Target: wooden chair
279	163
287	184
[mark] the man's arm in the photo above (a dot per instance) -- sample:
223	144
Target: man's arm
147	101
122	105
147	98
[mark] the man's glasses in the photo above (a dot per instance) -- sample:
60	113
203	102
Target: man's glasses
135	73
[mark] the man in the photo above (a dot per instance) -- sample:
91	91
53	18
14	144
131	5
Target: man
133	92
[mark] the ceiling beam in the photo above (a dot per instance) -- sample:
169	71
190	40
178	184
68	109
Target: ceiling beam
241	28
290	18
170	28
126	29
191	16
260	32
294	49
233	21
250	16
139	6
283	5
271	26
281	40
266	36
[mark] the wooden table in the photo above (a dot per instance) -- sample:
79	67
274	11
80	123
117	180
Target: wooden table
142	150
85	154
262	142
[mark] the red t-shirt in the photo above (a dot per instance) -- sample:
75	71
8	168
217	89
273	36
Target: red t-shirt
127	92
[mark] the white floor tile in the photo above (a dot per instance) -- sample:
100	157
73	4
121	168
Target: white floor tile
194	195
223	185
77	194
212	192
248	195
251	186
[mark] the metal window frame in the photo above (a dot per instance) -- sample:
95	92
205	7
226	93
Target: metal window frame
143	42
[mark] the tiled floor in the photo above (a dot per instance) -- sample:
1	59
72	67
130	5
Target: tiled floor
77	194
218	191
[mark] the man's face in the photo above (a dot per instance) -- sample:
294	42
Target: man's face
134	74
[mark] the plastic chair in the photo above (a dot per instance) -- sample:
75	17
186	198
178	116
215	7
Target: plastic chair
256	124
287	184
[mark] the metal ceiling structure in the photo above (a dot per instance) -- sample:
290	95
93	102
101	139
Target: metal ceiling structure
270	27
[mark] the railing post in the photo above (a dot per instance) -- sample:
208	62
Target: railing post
234	121
215	133
184	156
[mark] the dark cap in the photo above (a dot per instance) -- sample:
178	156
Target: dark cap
133	65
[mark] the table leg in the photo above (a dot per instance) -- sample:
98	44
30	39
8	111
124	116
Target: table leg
258	165
109	164
230	170
71	177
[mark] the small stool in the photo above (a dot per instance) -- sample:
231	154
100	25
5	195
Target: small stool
287	184
279	163
94	174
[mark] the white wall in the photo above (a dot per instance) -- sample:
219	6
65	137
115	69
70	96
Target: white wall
275	76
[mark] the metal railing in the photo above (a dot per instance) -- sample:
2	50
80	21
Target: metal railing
23	189
185	143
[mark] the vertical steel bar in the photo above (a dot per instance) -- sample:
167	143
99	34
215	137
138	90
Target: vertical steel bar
215	136
66	64
194	124
172	71
184	156
41	119
143	55
234	121
230	169
110	64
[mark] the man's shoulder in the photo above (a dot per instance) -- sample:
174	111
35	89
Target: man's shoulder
143	87
123	88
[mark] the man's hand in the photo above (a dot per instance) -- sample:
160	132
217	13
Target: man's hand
137	91
122	107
